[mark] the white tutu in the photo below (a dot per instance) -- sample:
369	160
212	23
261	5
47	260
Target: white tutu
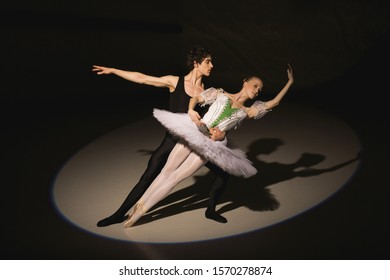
233	161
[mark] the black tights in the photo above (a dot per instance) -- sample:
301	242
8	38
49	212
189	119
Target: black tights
218	185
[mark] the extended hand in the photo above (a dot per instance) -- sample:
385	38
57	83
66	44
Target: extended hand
101	70
216	134
290	73
195	117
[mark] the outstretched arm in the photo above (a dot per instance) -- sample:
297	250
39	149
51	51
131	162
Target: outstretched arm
275	102
168	81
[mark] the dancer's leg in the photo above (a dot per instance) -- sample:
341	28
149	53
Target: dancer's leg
181	164
185	170
155	164
179	154
217	188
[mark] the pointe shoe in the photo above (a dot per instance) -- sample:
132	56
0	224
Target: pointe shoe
137	212
129	222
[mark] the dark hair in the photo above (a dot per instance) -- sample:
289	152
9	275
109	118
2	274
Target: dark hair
197	54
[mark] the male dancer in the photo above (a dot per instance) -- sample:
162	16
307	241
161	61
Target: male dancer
181	89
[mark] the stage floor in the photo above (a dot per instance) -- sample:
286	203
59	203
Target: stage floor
75	168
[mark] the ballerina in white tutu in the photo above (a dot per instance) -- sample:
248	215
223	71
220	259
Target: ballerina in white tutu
204	139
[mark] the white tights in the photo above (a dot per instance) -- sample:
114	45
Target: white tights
181	164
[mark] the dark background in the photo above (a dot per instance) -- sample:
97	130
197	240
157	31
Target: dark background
52	105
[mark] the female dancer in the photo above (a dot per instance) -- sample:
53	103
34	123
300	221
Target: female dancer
205	141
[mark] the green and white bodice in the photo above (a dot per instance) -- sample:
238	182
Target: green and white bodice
221	114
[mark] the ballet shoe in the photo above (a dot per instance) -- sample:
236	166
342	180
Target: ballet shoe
212	215
113	219
137	211
130	222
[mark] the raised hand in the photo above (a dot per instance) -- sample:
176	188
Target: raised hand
290	73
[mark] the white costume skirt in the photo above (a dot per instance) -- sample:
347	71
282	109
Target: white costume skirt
233	161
